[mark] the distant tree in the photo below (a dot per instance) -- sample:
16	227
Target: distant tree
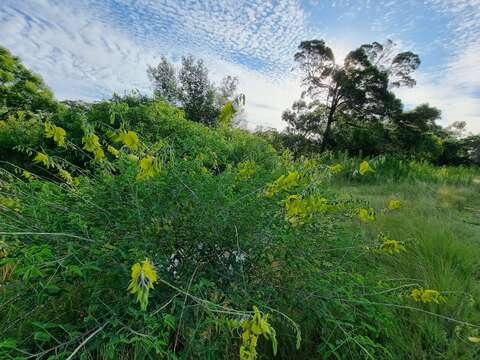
190	89
358	90
20	89
164	80
417	133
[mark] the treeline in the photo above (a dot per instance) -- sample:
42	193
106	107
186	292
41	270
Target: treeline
350	107
347	107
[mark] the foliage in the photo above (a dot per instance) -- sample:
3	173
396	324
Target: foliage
358	90
130	232
21	90
194	93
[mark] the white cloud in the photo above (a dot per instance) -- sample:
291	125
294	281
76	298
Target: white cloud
89	48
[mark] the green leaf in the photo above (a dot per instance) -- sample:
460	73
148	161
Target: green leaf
41	336
9	343
169	320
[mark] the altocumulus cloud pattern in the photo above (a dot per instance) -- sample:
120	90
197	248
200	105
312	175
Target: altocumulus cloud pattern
90	48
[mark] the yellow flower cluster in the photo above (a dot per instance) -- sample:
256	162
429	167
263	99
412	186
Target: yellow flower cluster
366	214
427	296
394	204
113	151
283	183
42	158
10	203
27	175
130	139
299	210
55	132
390	246
65	175
253	328
92	144
143	278
246	170
336	168
149	166
365	167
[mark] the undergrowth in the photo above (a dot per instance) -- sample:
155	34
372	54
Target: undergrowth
228	250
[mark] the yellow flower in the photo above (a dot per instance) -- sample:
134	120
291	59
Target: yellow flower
335	169
42	158
283	183
92	144
394	204
252	328
366	214
112	150
427	296
65	175
391	246
57	133
149	167
143	278
365	167
27	175
130	140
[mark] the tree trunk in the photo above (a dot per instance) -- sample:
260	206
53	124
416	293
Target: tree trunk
326	133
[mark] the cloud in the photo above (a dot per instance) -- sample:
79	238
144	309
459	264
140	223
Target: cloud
81	55
88	48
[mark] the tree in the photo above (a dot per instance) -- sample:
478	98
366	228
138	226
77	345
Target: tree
164	80
416	132
190	88
358	90
20	89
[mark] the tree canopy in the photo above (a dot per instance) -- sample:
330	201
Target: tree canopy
20	89
190	88
358	90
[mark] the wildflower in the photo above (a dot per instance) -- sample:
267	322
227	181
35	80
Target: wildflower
366	214
132	158
391	246
252	328
27	175
296	210
42	158
57	133
130	140
149	167
65	175
394	204
10	203
92	144
365	167
113	151
427	296
143	278
283	183
336	168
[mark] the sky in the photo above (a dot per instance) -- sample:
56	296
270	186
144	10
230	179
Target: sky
88	49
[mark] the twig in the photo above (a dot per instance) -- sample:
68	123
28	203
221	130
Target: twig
84	342
183	308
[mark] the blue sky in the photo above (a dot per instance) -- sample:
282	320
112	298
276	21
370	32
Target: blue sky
86	49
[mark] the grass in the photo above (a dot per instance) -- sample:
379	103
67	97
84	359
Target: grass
440	225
